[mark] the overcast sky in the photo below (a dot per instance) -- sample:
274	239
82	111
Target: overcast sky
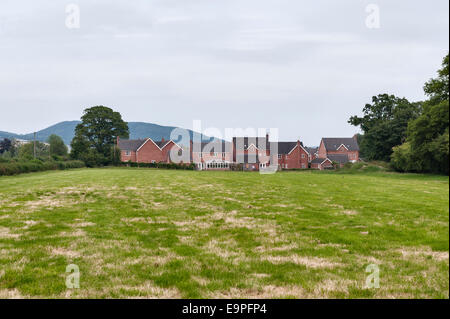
303	67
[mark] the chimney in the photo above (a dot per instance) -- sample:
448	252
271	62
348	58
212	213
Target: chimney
162	140
267	137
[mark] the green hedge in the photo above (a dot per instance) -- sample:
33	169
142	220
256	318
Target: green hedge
190	167
19	167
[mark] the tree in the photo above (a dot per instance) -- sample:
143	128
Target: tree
26	151
403	159
438	89
57	146
429	133
384	124
5	145
96	135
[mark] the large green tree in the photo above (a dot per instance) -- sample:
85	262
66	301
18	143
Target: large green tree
428	135
57	146
384	124
96	135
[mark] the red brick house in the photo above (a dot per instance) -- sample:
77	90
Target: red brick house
339	150
292	155
147	150
254	153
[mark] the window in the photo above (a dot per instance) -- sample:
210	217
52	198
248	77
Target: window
303	155
303	166
180	152
223	154
279	156
127	153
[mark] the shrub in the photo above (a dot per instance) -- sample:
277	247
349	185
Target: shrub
36	165
190	167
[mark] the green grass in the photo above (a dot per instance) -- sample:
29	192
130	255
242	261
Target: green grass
182	234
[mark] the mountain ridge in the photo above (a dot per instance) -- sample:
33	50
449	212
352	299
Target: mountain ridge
66	130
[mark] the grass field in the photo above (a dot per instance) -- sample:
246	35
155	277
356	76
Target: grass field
180	234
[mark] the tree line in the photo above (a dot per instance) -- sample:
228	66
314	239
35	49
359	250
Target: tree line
54	149
412	136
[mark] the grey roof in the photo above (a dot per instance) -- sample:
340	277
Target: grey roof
161	144
332	144
260	142
312	150
130	145
284	147
318	160
338	158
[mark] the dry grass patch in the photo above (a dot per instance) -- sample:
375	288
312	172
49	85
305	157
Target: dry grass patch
59	251
222	249
328	286
264	292
350	212
423	252
310	262
287	247
6	233
150	291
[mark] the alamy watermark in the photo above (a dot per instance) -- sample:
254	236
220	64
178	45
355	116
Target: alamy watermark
73	279
373	279
72	16
373	18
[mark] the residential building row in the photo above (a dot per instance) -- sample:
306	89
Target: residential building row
250	153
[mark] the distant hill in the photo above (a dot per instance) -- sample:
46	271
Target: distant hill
67	131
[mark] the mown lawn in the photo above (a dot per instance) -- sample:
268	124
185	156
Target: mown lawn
181	234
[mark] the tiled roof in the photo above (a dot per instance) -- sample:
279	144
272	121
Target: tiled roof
338	158
312	150
318	160
284	147
130	145
332	144
161	144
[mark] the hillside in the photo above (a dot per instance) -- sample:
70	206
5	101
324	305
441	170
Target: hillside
67	130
